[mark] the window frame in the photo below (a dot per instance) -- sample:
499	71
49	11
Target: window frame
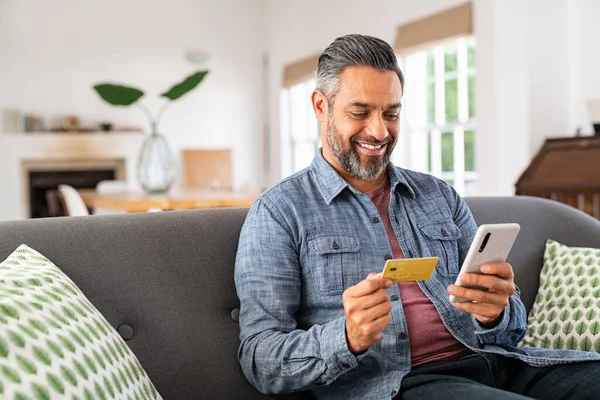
425	135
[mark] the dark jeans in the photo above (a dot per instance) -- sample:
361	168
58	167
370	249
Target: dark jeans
495	377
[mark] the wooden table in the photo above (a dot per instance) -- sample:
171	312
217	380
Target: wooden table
176	200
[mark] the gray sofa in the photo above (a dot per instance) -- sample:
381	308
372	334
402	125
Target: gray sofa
165	280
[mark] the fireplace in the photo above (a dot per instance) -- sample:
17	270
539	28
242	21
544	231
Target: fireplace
41	176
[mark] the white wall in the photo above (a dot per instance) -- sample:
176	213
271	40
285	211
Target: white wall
51	53
537	62
549	71
584	60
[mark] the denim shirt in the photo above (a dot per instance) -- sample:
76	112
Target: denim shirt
312	236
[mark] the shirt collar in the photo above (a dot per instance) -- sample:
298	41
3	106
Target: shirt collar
331	184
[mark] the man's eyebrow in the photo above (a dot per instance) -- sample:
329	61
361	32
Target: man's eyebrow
360	104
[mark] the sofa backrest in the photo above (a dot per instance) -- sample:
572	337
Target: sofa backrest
169	276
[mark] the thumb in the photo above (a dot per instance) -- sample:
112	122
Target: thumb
373	275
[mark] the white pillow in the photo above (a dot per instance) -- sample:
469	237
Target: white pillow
54	343
566	311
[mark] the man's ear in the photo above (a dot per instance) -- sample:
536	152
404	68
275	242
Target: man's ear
319	103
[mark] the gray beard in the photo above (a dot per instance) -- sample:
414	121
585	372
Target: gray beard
350	159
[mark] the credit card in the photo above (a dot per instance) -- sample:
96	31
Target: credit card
409	269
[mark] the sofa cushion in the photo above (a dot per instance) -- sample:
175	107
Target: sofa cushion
566	311
54	343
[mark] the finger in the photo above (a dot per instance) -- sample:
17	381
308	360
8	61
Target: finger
373	275
365	302
366	317
376	327
379	310
490	282
368	286
374	299
501	270
480	296
487	311
381	323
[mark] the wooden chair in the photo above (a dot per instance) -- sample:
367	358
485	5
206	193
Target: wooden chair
75	205
56	204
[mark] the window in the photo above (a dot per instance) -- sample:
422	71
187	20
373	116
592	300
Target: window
299	126
439	116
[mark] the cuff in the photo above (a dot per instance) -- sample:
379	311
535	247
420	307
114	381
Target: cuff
492	335
334	349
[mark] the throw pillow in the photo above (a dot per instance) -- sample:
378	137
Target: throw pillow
54	343
566	311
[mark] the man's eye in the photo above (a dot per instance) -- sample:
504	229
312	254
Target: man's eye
392	117
359	115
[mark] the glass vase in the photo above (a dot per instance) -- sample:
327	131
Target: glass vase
156	165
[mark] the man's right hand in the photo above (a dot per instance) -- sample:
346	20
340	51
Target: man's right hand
367	310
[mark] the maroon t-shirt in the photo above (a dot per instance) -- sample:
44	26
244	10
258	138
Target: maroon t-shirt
429	339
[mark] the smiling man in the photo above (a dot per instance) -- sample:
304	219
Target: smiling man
315	315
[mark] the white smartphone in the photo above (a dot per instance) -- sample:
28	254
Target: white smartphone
492	243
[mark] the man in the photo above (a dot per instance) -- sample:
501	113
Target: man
315	315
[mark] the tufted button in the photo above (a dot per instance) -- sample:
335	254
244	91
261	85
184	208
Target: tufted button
335	246
403	336
125	331
375	220
393	393
394	297
235	315
387	257
444	233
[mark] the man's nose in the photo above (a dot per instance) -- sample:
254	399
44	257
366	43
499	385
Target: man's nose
376	128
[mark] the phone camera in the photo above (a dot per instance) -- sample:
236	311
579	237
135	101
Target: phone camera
484	243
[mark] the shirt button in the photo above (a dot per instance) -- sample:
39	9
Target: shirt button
393	393
444	234
335	246
388	257
375	220
402	336
394	297
344	365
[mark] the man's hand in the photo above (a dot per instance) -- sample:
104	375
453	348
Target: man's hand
486	306
367	310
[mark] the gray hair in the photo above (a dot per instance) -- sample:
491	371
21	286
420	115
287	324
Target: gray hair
353	50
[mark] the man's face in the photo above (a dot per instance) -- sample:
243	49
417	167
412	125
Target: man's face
364	121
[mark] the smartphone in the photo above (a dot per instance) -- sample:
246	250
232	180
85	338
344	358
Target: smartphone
492	243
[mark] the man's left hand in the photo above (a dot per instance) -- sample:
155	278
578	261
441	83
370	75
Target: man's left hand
486	305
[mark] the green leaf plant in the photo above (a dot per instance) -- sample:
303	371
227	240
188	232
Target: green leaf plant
123	96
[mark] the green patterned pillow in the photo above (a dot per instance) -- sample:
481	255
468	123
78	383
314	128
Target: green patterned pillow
54	343
566	311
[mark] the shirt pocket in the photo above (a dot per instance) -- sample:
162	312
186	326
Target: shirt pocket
442	241
334	262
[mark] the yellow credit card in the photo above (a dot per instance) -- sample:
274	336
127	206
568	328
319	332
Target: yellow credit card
409	269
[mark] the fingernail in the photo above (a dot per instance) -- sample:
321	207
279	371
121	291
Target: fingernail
465	279
388	283
451	290
485	268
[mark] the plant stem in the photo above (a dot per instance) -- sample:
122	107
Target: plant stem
148	114
161	111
